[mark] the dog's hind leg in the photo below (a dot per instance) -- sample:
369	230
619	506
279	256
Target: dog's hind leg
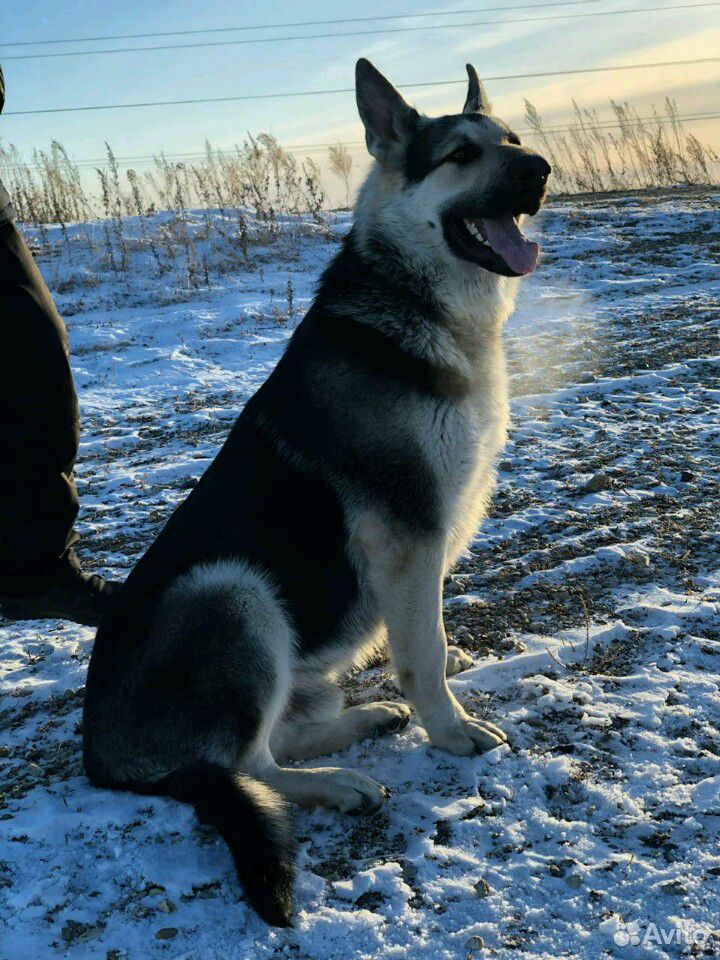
316	724
303	741
232	648
205	693
333	787
313	724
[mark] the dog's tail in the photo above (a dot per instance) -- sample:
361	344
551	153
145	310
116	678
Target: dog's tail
255	823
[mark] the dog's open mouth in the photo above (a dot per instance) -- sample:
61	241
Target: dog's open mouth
495	243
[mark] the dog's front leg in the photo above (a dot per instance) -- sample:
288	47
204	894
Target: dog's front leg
407	581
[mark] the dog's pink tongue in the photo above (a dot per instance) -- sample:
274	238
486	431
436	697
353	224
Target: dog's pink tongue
506	238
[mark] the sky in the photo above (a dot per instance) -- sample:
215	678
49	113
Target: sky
438	52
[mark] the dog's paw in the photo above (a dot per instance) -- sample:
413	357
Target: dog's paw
469	736
388	717
457	661
353	793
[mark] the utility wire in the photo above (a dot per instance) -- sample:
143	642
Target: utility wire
358	33
89	162
295	23
404	86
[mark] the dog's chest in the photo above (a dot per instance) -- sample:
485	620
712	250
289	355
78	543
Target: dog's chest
463	440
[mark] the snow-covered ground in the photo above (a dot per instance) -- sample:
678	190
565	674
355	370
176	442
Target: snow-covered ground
590	603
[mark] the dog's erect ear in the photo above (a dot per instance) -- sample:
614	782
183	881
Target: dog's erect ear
389	122
477	100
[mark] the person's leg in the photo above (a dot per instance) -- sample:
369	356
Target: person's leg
39	573
38	415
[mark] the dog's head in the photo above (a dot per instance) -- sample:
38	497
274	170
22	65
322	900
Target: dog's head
452	188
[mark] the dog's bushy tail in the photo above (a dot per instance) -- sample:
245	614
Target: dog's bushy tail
255	823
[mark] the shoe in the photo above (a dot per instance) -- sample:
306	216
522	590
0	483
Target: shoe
60	590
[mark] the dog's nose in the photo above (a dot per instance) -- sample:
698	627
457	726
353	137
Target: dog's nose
530	169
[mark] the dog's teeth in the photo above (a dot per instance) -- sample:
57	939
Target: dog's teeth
473	230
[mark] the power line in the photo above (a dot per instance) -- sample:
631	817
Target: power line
551	128
359	33
616	125
90	162
405	86
295	23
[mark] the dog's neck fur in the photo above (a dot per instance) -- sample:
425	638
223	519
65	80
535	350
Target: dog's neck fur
457	308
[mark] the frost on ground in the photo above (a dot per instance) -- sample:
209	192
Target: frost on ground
589	602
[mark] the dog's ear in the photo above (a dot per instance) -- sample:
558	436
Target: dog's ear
389	122
477	100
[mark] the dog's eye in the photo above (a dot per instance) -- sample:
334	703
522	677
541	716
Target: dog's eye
513	138
464	154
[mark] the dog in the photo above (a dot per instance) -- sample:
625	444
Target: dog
349	485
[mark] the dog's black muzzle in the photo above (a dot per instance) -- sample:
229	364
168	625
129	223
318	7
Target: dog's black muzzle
520	187
527	177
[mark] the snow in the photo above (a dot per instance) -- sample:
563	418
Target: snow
589	602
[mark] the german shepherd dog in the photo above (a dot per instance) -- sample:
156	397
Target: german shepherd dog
349	485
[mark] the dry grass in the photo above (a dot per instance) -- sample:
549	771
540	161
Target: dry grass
593	156
225	203
341	164
258	176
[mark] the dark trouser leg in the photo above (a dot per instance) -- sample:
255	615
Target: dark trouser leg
39	573
39	425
